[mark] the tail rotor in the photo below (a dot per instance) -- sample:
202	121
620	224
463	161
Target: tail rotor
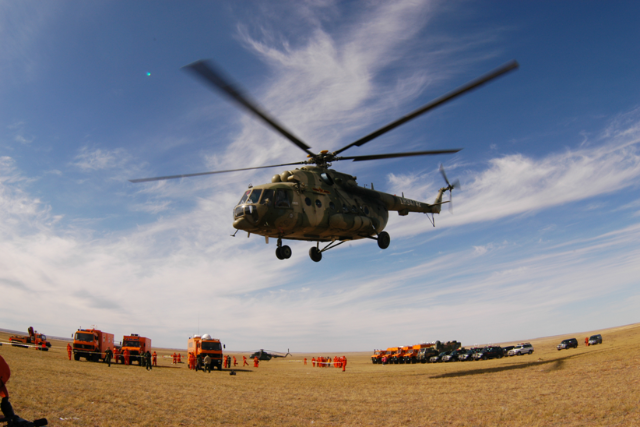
450	187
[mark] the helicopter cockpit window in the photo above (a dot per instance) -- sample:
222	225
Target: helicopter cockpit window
354	209
267	197
255	196
307	201
283	199
244	197
318	203
345	209
332	206
366	210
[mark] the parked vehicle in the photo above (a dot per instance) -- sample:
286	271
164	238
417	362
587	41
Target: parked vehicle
136	345
206	346
453	356
91	344
520	349
376	357
507	349
468	355
411	356
595	339
34	339
425	354
567	344
398	356
491	352
438	358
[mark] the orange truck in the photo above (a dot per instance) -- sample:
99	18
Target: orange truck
398	356
412	354
136	345
91	344
33	339
376	357
205	345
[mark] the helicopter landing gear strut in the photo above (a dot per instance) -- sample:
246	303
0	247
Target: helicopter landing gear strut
283	252
315	253
383	239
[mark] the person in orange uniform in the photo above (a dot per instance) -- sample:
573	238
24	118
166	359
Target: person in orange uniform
244	361
256	362
179	358
125	353
235	362
305	361
586	341
313	362
344	363
115	355
155	358
69	350
174	357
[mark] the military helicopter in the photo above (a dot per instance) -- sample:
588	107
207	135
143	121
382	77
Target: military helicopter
314	202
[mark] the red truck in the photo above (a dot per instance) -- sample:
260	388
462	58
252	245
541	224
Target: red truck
91	344
33	339
136	345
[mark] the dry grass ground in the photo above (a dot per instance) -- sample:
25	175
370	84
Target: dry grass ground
598	385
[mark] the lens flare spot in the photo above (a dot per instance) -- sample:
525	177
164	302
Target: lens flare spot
148	74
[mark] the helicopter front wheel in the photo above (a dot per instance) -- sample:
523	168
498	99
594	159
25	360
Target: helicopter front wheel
315	254
283	252
384	240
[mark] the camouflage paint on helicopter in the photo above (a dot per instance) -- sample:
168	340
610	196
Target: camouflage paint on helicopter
316	203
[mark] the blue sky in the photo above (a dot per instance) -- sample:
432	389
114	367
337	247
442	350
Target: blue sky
543	239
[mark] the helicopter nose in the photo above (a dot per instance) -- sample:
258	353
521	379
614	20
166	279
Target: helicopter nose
242	224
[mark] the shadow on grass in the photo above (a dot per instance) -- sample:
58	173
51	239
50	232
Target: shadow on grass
556	364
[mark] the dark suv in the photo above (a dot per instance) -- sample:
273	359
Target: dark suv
567	344
595	339
489	353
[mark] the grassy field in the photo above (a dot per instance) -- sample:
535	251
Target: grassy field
598	385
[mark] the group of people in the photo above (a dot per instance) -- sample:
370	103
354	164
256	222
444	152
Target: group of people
176	358
206	363
147	359
325	362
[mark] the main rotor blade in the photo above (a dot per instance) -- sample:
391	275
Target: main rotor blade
162	178
393	155
206	71
433	104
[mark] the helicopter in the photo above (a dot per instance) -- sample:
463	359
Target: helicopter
314	202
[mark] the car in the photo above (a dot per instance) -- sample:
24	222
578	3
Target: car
453	356
595	339
425	354
468	355
520	349
507	349
567	344
438	358
491	352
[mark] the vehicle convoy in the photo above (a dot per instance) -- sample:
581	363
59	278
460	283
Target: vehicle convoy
567	344
411	356
91	344
595	339
34	339
136	345
314	202
491	352
204	346
521	349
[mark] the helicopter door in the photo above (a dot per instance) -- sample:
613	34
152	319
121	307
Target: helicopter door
286	216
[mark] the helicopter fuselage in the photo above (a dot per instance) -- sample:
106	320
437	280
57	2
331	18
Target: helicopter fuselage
319	204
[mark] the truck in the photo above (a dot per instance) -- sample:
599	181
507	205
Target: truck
136	345
92	344
33	339
411	356
205	345
376	357
398	356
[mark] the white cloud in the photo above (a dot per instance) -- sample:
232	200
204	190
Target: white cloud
100	159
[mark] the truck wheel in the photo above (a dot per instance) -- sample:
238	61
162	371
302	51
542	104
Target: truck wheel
76	357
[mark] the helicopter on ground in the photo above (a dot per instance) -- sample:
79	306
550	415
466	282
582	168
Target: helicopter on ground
314	202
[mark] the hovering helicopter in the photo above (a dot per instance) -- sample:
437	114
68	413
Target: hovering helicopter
314	202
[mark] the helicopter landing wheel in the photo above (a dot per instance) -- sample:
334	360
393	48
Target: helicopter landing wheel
279	253
285	251
384	240
315	254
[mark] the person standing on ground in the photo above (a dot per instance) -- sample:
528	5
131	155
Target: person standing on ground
207	363
126	356
198	363
235	362
155	359
344	363
107	357
256	362
179	358
586	341
147	357
244	361
69	350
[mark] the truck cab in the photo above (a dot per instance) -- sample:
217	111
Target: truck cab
91	344
376	357
206	346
